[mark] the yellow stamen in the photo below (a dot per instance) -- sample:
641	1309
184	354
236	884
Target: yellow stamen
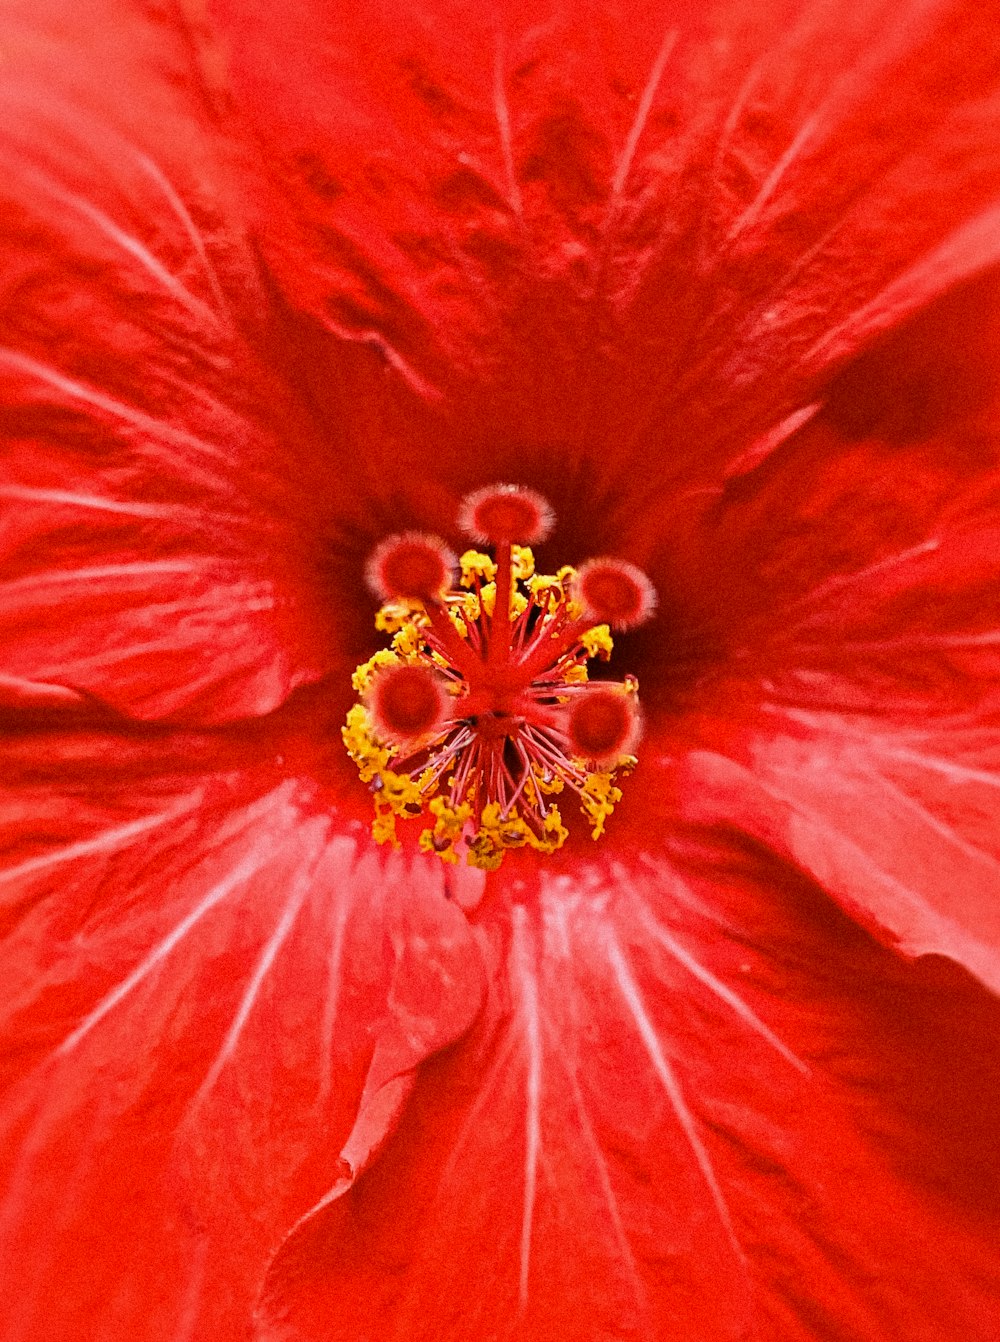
598	642
476	567
471	813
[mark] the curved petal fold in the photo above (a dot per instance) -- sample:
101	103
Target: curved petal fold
200	974
897	825
588	1164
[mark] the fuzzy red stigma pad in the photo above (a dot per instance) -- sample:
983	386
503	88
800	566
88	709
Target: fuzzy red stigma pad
407	702
410	567
502	514
603	725
616	592
482	711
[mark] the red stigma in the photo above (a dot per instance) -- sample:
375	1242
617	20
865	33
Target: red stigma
410	567
615	592
505	514
407	703
603	725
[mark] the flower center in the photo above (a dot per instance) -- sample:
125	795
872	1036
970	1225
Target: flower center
482	711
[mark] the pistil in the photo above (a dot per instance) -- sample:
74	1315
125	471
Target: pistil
483	711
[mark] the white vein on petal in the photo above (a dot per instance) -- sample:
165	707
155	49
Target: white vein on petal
627	158
108	841
866	729
488	1085
199	603
721	990
341	907
33	1144
988	638
922	812
191	1299
629	990
121	238
528	998
502	112
95	502
694	902
176	203
607	1188
138	569
888	748
983	962
300	890
21	1306
773	180
240	875
840	581
102	401
556	923
959	773
968	250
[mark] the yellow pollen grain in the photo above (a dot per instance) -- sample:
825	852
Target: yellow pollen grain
450	823
384	829
550	783
371	756
599	799
399	794
522	564
476	567
363	676
394	614
548	590
408	641
597	642
518	601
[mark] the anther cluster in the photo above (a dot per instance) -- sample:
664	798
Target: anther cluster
482	715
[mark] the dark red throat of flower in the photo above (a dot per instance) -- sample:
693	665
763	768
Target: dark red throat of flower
482	711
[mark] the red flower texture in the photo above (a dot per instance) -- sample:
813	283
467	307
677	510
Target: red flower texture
718	283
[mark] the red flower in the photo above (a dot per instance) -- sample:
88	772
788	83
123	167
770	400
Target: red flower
281	280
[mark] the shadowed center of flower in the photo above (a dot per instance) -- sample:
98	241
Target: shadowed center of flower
482	711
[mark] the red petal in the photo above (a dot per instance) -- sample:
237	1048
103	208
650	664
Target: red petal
505	222
707	1107
869	525
899	826
505	212
849	590
160	546
197	983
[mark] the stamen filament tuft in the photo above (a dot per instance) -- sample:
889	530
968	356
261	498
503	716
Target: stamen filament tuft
483	711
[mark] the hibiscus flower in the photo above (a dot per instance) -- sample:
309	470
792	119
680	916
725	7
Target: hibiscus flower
282	281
